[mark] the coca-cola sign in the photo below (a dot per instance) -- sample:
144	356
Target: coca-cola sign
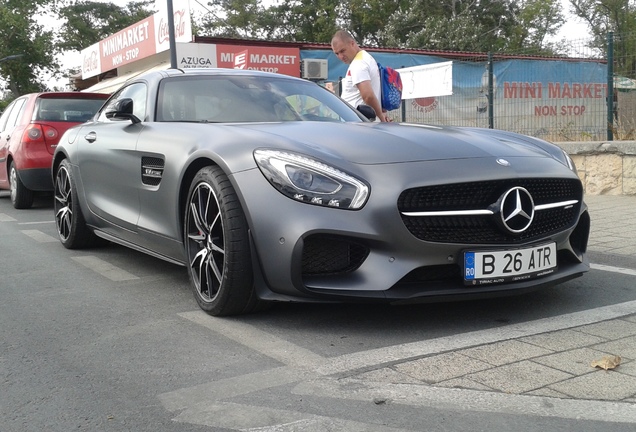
91	62
181	21
164	32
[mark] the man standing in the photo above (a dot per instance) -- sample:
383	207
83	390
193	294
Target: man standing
361	85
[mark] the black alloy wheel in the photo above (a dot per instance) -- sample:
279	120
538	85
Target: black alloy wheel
69	220
217	246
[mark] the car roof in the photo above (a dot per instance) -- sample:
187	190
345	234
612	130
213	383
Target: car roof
73	95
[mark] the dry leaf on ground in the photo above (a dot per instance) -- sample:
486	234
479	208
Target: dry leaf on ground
607	362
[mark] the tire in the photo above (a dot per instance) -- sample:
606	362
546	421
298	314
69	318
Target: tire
69	220
21	197
217	246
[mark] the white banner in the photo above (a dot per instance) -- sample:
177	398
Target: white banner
427	80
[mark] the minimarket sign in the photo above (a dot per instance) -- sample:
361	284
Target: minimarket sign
140	40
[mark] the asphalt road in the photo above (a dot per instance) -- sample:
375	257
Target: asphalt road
109	339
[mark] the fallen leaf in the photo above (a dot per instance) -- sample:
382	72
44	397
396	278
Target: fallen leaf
607	362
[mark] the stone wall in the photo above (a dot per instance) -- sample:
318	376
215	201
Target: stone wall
605	168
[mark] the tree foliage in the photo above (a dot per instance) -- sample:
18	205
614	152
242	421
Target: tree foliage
246	19
457	25
298	20
474	25
21	34
366	19
304	20
509	26
538	21
618	17
86	22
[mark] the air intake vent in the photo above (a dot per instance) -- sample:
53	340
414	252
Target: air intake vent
151	170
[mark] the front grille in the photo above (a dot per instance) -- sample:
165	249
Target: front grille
484	229
330	255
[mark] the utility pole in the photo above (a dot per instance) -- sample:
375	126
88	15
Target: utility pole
173	45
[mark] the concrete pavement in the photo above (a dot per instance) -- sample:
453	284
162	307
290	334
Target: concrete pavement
547	358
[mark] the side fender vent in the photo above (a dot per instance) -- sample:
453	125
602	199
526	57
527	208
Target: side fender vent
151	170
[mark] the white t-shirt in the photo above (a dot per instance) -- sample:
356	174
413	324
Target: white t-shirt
362	68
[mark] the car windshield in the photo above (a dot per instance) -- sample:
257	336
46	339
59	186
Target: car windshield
248	99
67	109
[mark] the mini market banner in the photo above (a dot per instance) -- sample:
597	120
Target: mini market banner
140	40
269	59
541	97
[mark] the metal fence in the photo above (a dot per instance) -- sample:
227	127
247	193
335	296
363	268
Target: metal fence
561	98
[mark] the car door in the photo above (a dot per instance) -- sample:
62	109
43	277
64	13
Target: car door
163	150
8	122
109	167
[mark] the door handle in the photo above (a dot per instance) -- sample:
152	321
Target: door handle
90	137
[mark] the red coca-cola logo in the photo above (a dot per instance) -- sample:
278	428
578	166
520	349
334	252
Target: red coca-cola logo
179	23
90	62
179	18
164	32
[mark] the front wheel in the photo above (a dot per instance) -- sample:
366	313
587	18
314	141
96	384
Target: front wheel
69	220
21	197
217	246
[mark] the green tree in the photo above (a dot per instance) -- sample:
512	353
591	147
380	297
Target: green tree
246	19
617	16
21	34
366	19
85	22
459	25
537	21
304	20
299	20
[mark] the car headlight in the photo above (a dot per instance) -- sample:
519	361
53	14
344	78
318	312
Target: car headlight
310	181
569	161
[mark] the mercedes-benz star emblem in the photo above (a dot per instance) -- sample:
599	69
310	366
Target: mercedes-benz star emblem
517	210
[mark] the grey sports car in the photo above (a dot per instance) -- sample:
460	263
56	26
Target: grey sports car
271	188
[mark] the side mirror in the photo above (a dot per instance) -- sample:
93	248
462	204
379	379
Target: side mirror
366	111
122	110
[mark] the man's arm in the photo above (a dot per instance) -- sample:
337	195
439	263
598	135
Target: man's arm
366	91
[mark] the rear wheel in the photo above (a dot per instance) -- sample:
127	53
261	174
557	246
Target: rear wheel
217	246
21	197
71	226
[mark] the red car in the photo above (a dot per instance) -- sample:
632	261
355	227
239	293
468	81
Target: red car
30	129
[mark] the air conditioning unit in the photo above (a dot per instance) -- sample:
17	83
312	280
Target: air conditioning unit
314	69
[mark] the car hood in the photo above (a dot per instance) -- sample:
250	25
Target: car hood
375	143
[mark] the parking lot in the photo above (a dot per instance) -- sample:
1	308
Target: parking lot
111	339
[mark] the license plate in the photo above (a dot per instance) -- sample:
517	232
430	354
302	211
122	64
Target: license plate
487	267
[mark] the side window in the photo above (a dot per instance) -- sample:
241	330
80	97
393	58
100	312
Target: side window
310	108
5	116
13	113
137	92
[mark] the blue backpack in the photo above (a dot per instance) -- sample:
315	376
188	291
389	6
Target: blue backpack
391	85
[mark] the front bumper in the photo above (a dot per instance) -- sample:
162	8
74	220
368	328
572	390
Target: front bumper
303	251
